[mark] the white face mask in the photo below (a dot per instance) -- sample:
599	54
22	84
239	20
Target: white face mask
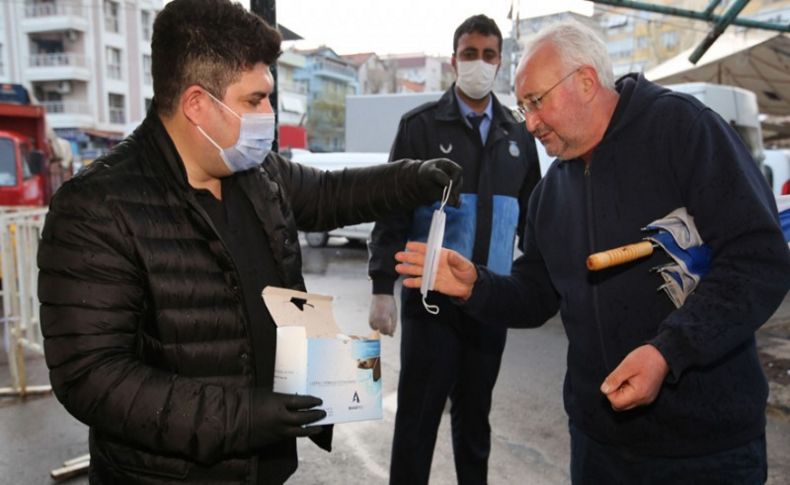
433	251
476	78
256	135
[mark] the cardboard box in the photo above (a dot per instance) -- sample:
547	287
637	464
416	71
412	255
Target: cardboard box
314	358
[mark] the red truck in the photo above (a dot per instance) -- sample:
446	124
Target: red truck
30	171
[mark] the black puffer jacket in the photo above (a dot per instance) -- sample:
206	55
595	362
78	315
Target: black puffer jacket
145	331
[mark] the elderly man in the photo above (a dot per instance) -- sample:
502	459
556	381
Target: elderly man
654	393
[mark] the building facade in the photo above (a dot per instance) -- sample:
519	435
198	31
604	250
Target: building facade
639	40
291	100
374	75
88	62
417	73
329	79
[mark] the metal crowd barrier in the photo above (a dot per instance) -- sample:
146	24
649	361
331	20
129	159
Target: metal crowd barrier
20	232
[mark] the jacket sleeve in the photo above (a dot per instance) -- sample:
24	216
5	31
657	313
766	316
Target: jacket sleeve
93	302
323	200
390	233
736	216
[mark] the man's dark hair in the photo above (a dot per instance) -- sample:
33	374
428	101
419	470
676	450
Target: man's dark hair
480	24
209	43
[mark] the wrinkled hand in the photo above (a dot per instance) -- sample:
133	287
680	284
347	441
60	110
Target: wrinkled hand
455	277
383	314
637	380
434	175
276	416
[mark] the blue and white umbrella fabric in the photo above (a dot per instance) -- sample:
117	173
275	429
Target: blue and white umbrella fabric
783	204
677	235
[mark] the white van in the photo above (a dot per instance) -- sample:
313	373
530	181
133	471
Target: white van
338	161
736	105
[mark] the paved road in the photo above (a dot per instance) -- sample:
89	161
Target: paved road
529	427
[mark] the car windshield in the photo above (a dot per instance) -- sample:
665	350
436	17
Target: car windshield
7	163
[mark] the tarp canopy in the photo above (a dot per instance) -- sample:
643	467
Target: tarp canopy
754	60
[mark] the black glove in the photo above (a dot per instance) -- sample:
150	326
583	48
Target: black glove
434	175
276	416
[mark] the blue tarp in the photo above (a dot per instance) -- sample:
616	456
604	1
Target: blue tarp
14	93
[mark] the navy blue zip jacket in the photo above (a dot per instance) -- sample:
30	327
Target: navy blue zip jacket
662	150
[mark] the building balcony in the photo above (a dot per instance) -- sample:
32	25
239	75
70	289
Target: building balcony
292	87
58	66
50	17
68	114
334	70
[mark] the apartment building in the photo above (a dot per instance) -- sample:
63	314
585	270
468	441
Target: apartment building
638	40
291	100
417	73
329	78
87	61
373	73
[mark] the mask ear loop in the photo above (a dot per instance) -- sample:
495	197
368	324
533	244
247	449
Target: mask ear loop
223	105
446	195
203	131
434	309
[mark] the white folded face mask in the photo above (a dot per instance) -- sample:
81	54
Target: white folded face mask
433	251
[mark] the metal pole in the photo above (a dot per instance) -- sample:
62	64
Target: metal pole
711	7
718	29
693	14
267	10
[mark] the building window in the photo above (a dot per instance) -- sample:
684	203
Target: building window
145	22
147	78
113	63
111	23
670	39
621	49
115	102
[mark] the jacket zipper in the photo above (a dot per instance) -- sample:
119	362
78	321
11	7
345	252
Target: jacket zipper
591	242
253	475
197	207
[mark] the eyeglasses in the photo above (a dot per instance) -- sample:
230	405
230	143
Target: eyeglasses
534	103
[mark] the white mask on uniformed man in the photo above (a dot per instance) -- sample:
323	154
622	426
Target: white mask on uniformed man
476	78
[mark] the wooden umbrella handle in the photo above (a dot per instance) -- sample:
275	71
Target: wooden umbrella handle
623	254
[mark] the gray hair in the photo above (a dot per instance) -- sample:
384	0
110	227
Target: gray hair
577	45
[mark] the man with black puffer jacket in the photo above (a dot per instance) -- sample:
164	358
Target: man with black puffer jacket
654	394
153	259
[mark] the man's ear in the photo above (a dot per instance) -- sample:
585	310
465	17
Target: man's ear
589	82
193	101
